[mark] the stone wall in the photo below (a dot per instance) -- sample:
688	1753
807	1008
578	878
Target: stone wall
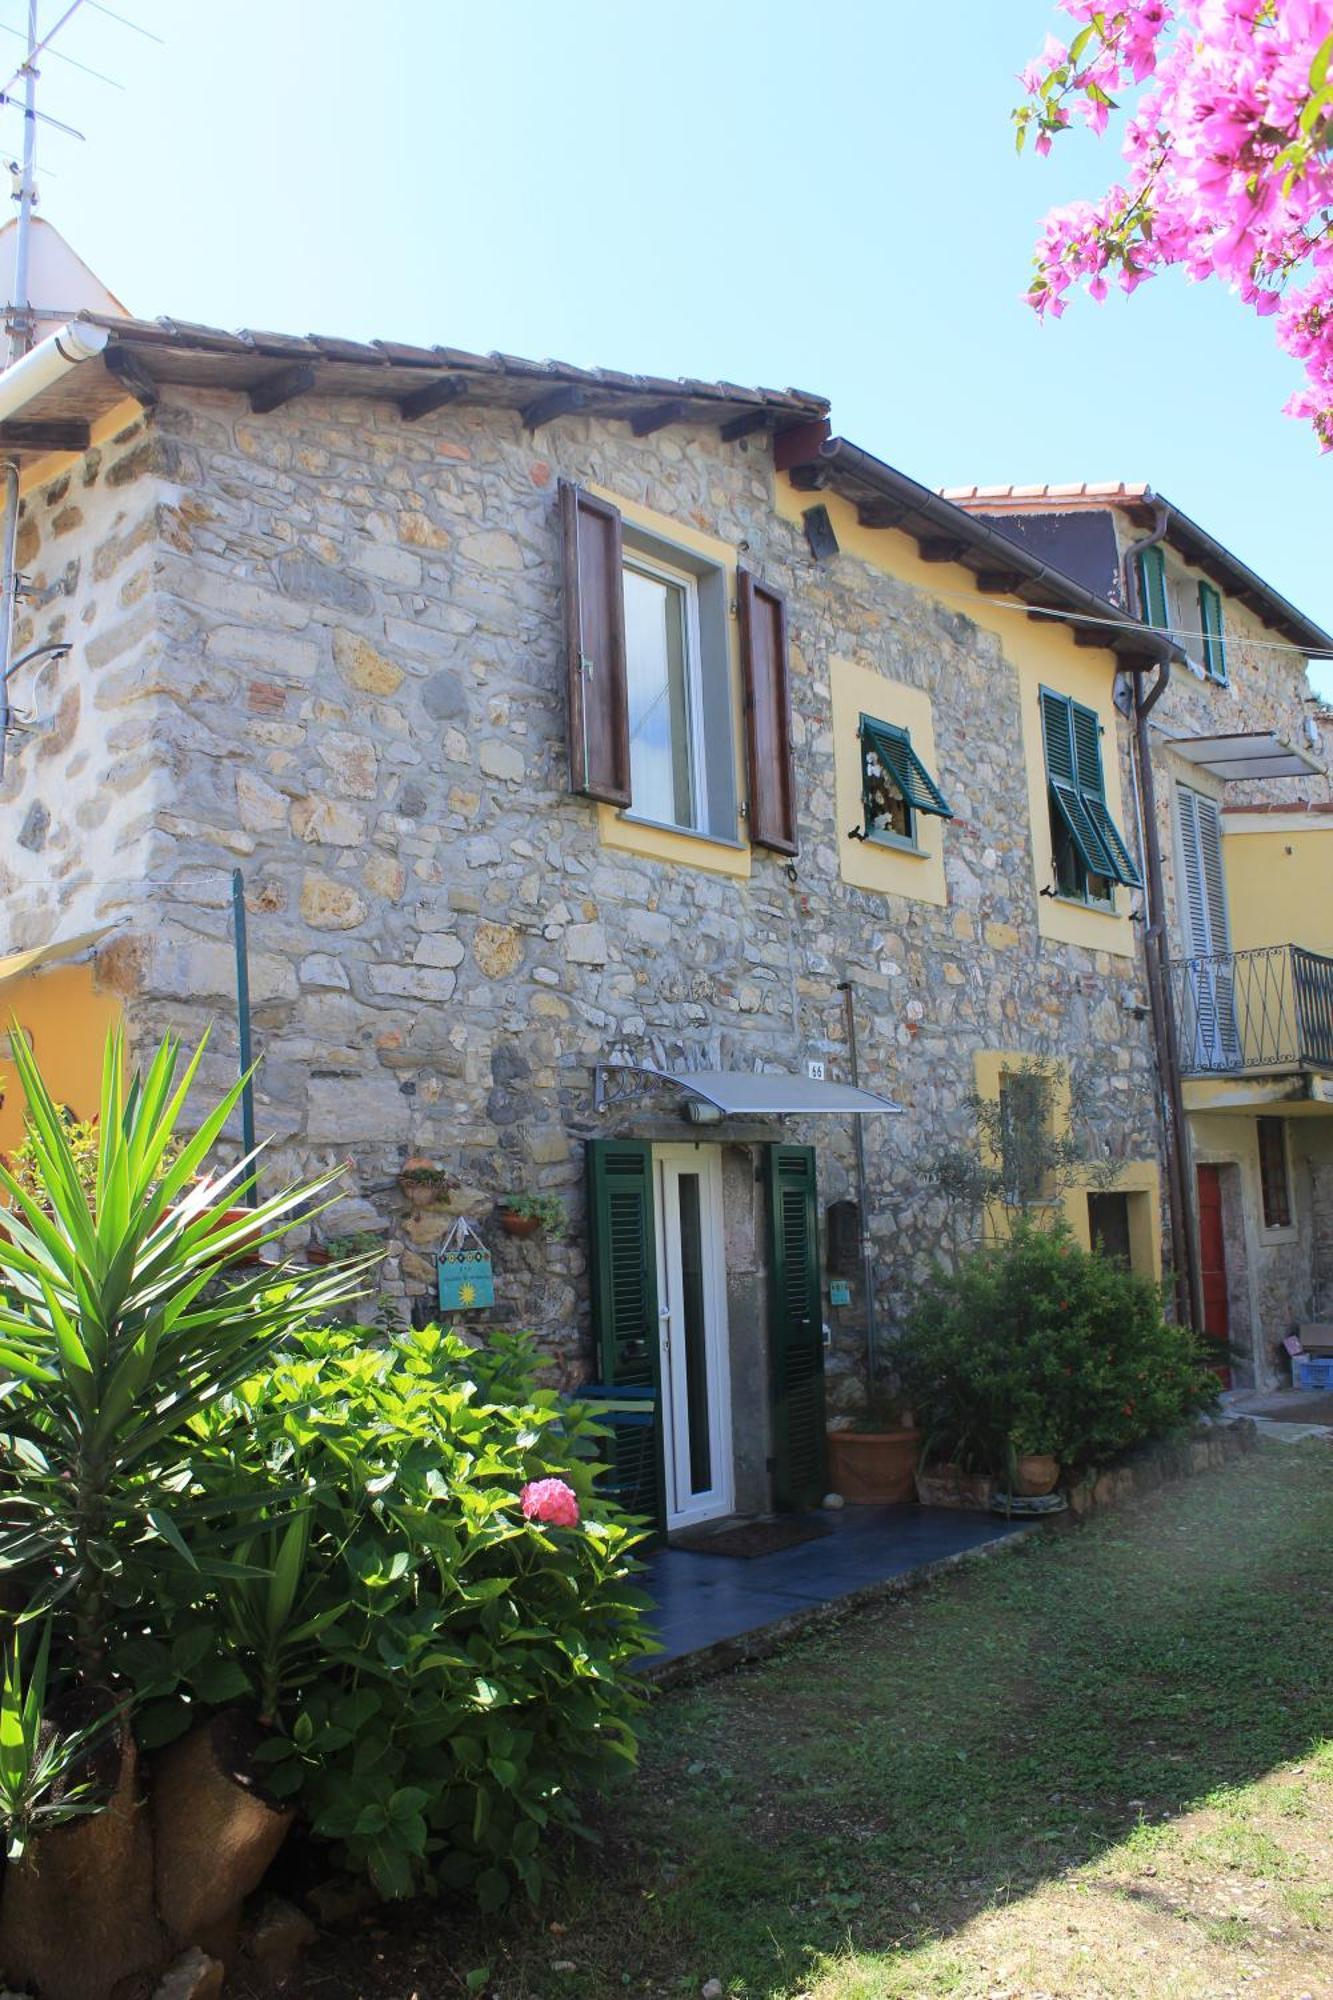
335	640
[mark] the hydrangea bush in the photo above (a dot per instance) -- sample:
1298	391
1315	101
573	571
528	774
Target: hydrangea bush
442	1626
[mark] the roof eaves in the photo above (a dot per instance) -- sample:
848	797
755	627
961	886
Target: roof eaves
946	532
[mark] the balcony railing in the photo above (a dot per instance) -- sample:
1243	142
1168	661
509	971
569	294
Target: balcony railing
1265	1009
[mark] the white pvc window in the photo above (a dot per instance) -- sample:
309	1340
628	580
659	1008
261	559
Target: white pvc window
664	670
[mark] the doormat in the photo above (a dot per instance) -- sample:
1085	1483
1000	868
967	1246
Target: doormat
752	1538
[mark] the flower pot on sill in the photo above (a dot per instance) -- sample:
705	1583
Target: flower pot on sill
872	1468
519	1225
1036	1474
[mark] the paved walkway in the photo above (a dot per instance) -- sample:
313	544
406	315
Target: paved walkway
1285	1414
707	1604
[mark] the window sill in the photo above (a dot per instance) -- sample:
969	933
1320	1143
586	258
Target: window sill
1085	903
682	832
895	844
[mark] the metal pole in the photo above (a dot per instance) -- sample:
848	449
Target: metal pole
859	1141
20	320
243	1027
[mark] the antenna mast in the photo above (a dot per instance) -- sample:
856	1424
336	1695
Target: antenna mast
20	319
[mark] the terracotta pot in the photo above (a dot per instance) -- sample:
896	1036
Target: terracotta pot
871	1468
318	1253
948	1486
246	1248
421	1182
1036	1473
519	1225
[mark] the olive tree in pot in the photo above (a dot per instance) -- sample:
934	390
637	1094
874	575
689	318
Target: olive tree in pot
125	1312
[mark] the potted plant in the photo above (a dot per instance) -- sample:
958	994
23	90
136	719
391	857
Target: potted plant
424	1184
526	1214
356	1243
1034	1455
872	1458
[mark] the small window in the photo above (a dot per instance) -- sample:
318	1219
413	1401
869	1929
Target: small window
1089	853
678	689
1109	1228
1024	1136
1274	1174
1213	635
895	786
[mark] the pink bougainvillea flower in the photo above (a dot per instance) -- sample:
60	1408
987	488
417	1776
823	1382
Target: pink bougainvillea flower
550	1501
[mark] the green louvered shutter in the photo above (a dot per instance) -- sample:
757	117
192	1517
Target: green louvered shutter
623	1257
1214	637
1091	782
796	1333
1057	728
1152	589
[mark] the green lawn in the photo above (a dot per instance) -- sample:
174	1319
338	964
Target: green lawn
1095	1766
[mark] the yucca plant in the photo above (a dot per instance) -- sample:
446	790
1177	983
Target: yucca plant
38	1765
121	1317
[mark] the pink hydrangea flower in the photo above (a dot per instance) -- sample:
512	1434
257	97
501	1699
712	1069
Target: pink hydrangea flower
551	1501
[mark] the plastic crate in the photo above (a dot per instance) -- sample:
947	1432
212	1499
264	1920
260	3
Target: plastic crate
1313	1371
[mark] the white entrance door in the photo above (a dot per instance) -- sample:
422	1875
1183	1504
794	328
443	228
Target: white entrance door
696	1374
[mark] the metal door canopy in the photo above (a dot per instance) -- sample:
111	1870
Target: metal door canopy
741	1093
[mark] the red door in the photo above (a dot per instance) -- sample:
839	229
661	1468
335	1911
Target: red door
1213	1262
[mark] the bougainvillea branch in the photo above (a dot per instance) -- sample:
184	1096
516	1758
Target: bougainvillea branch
1227	113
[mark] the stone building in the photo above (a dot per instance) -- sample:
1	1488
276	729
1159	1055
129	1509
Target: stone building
1239	747
591	751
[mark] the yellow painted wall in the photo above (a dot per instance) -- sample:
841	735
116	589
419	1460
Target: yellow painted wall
66	1022
1041	654
621	830
1139	1179
893	871
1279	870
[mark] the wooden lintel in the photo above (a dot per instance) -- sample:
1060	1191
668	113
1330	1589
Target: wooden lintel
558	403
879	513
811	478
644	422
940	548
431	396
744	426
999	580
282	386
50	436
130	372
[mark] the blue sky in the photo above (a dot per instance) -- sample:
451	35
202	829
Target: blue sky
754	189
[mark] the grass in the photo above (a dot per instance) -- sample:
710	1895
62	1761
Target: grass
1100	1766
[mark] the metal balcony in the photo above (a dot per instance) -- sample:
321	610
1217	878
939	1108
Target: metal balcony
1254	1010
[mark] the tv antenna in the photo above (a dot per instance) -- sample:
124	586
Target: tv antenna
20	94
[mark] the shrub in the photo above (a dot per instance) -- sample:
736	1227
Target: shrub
1035	1345
445	1674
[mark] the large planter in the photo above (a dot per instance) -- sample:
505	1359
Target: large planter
870	1468
949	1486
1036	1474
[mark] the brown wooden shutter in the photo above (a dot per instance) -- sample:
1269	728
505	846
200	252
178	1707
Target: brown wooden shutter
595	647
763	623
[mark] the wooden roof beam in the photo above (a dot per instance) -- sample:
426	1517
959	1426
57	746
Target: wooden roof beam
430	396
558	403
941	548
743	426
282	386
656	418
879	513
51	436
1000	581
811	478
130	372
